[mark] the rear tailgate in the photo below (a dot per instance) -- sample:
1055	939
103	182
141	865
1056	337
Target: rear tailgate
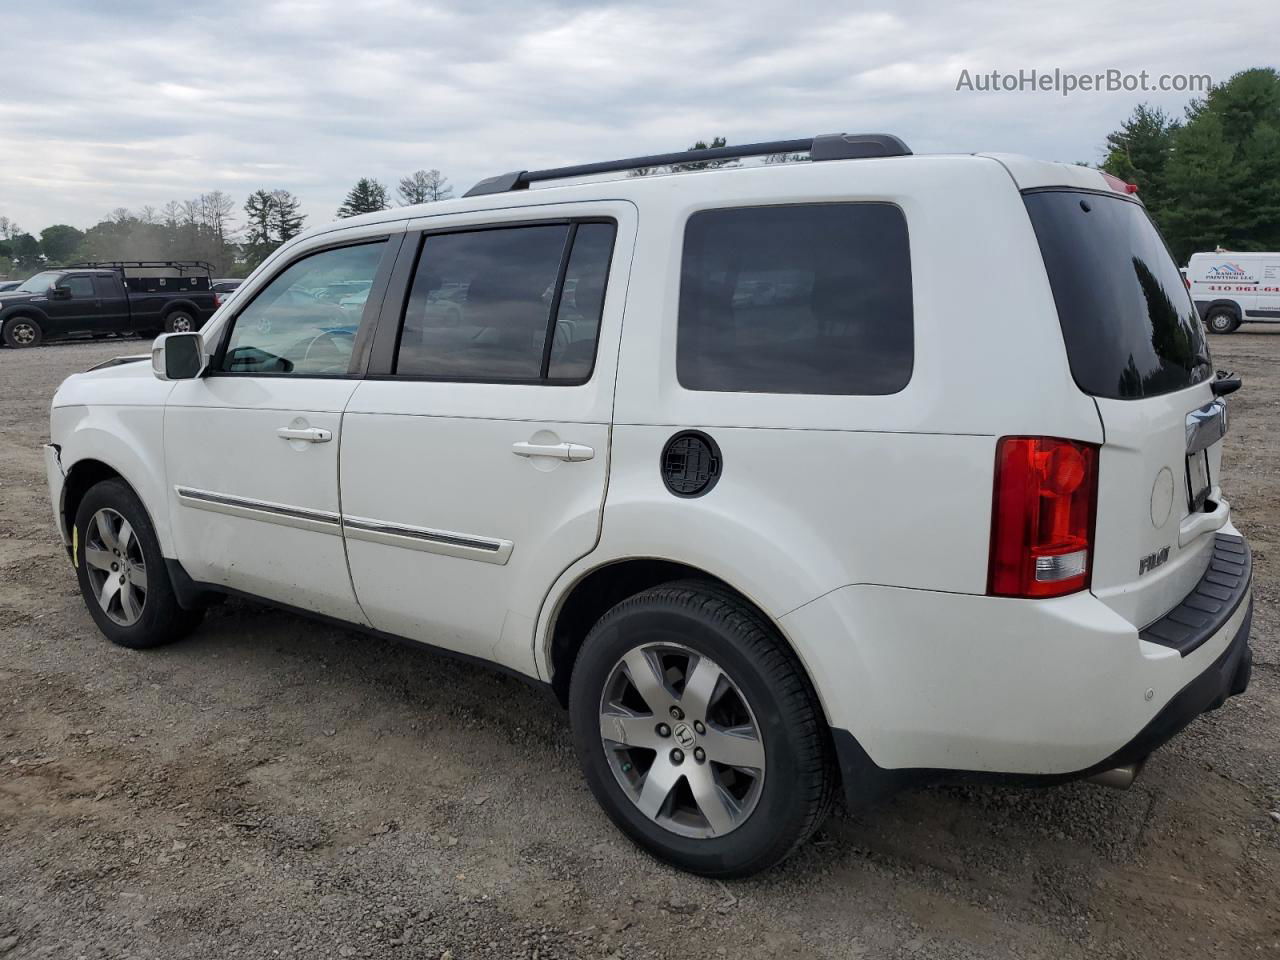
1135	344
1159	500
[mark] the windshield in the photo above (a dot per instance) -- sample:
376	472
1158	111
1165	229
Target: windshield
1130	327
40	283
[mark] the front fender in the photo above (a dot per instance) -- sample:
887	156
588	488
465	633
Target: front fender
24	309
126	439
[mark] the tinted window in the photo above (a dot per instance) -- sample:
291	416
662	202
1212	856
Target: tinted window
573	349
81	287
481	304
811	298
105	287
305	320
1129	325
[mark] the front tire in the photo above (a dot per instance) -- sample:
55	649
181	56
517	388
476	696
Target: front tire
22	332
1222	321
122	573
698	731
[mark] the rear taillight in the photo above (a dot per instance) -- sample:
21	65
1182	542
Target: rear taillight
217	300
1042	513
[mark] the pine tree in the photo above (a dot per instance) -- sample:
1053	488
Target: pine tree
367	196
286	218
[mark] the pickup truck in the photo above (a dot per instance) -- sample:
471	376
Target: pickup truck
104	298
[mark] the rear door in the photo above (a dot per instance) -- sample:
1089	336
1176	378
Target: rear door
1136	345
475	454
113	304
1268	305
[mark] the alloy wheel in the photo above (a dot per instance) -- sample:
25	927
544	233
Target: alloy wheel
117	570
24	334
682	741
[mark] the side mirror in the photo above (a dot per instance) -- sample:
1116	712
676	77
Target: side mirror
178	356
59	293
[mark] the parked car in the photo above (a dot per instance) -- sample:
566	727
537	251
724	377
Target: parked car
103	298
829	509
223	288
1230	288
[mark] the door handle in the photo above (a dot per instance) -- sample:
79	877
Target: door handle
573	452
309	434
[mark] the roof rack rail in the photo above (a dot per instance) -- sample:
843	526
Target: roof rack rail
831	146
182	266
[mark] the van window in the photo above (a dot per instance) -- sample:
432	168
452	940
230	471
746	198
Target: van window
1129	325
481	304
809	298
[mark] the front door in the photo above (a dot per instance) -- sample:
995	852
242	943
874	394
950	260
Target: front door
475	456
80	312
251	449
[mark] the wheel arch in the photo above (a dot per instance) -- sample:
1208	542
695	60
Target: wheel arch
1209	306
91	454
595	590
186	306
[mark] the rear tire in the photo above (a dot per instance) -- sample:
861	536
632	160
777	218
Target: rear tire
122	572
179	322
766	778
22	332
1222	321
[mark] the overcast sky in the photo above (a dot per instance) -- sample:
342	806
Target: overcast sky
122	103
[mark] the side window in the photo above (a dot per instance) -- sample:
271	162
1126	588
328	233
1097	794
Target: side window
481	306
305	320
81	287
105	287
573	349
810	298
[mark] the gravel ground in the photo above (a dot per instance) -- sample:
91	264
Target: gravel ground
274	788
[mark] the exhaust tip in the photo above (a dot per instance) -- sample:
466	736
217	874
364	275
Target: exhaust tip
1117	778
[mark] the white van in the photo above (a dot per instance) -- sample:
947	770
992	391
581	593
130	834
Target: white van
752	468
1230	288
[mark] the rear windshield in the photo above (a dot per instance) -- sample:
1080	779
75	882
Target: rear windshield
1129	324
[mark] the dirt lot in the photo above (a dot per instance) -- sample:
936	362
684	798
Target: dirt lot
275	788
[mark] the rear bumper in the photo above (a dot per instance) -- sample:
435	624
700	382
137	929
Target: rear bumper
1228	676
921	685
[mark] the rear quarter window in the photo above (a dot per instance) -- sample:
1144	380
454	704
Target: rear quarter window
805	298
1129	325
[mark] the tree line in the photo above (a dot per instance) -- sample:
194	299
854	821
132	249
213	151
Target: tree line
204	228
1211	178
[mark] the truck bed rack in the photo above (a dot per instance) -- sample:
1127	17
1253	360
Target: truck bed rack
183	267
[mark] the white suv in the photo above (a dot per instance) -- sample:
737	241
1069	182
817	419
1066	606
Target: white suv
783	473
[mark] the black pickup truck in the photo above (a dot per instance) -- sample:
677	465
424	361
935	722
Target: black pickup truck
110	297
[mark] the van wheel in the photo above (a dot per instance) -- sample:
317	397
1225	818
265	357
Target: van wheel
179	322
122	573
698	731
22	332
1222	321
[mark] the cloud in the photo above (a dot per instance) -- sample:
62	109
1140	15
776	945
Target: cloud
138	102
